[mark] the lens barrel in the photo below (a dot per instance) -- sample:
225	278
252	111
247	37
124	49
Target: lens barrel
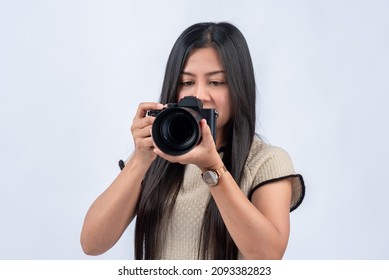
177	130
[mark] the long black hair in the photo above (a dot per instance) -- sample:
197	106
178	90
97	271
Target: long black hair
159	192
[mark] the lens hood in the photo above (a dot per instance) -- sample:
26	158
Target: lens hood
177	130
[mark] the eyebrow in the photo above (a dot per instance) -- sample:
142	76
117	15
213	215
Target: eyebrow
207	74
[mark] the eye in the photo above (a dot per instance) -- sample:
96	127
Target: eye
187	83
216	83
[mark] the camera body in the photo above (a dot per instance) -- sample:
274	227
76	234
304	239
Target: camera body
176	129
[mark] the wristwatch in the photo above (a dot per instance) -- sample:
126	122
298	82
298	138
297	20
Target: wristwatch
211	177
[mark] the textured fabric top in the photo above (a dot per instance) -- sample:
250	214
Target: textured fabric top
264	164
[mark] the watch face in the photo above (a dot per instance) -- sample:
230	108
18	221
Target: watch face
210	177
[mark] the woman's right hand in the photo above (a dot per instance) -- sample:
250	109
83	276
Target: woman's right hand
141	132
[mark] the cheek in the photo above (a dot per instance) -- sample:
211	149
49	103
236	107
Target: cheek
225	109
180	95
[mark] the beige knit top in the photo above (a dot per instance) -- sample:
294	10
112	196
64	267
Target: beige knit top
264	164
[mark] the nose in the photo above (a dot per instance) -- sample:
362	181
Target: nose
201	92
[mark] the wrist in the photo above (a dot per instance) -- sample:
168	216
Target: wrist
138	162
214	166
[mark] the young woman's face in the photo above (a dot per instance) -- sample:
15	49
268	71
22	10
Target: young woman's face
203	77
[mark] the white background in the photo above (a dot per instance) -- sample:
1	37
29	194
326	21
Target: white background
73	72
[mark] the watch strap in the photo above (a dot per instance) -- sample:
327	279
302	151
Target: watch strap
220	171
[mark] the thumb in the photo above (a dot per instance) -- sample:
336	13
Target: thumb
205	129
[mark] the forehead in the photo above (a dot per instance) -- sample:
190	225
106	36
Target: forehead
203	59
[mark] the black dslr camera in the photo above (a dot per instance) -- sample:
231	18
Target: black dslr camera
176	129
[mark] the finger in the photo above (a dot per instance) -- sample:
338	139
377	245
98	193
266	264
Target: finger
142	133
142	123
205	130
146	144
145	106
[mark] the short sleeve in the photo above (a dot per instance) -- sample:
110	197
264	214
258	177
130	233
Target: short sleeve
269	164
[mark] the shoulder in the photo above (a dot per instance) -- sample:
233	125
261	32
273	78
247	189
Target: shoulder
267	163
264	156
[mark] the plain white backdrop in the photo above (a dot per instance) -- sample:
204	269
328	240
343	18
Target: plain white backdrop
73	72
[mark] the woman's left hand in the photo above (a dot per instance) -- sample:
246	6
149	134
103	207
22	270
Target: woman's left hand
204	155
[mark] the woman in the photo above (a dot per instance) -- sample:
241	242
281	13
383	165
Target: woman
244	211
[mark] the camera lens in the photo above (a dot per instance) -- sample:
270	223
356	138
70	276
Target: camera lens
176	130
